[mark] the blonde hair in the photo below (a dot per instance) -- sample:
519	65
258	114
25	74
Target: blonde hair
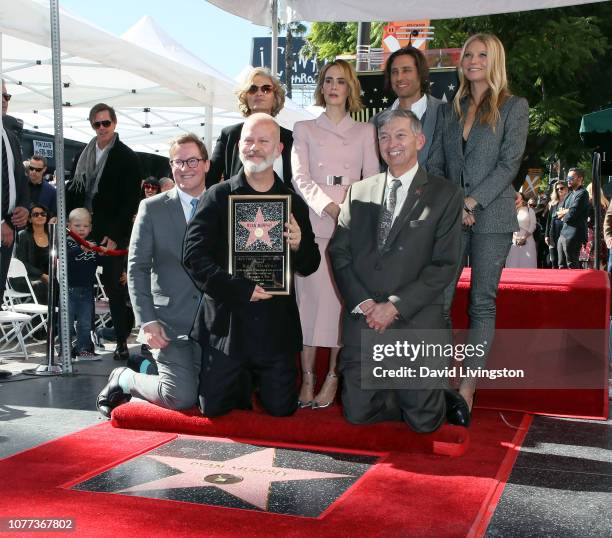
79	213
353	101
497	93
279	92
554	195
602	197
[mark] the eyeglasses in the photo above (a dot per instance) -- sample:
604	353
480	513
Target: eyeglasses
571	178
191	163
38	214
265	89
103	123
151	187
6	97
34	169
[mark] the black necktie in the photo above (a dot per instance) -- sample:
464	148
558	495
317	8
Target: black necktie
6	191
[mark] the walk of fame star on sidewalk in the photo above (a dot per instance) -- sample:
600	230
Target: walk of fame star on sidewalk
246	477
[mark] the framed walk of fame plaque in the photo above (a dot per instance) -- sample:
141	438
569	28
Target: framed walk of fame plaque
258	250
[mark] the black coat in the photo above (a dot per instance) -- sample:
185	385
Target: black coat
22	193
118	196
225	160
226	315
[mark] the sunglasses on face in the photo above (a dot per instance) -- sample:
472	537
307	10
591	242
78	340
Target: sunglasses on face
38	214
34	169
150	187
103	123
6	97
265	89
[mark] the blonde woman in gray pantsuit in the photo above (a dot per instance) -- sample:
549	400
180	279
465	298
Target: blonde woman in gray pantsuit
479	144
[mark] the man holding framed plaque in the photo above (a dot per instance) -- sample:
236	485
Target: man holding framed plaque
247	238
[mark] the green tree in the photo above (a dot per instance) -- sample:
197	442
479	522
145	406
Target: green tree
327	40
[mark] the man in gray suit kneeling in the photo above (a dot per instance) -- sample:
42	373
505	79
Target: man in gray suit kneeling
396	248
164	298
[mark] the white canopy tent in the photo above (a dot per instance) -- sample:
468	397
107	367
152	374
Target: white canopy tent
150	113
259	11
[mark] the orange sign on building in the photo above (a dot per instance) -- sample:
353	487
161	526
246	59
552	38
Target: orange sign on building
398	34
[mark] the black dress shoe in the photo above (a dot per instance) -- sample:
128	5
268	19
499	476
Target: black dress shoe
457	409
112	395
121	352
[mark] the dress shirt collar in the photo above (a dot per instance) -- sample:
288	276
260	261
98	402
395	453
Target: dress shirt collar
405	179
418	108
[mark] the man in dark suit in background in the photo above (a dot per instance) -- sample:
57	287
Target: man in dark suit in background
396	248
244	331
107	182
15	199
407	74
574	212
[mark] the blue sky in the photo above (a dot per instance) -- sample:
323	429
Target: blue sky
219	38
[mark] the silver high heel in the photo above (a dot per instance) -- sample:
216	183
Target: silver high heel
312	382
328	391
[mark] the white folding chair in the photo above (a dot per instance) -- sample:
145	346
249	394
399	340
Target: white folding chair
102	305
16	321
37	311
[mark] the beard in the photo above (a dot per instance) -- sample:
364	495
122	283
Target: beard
254	168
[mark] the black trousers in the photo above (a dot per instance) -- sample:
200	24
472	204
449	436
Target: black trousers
568	249
5	261
112	267
227	381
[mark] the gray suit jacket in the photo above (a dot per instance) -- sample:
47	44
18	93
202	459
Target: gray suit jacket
489	163
429	127
419	259
160	288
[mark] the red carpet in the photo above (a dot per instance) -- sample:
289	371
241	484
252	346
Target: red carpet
406	494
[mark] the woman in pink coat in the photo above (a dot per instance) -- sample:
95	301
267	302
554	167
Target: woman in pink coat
328	154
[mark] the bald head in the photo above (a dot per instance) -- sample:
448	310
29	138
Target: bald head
259	143
261	121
